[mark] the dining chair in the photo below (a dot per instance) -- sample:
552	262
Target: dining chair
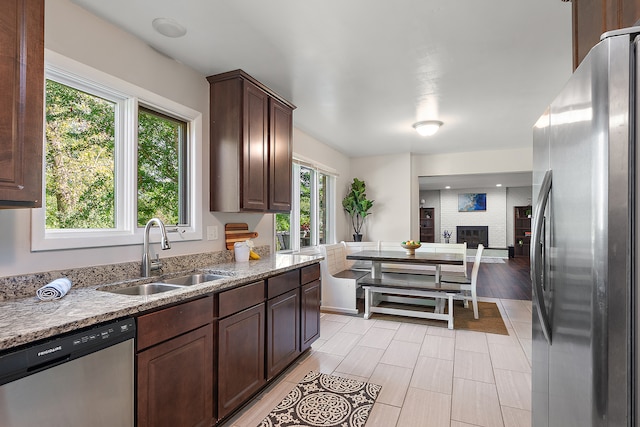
466	285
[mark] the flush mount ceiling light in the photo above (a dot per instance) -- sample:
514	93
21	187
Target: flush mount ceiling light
427	127
168	27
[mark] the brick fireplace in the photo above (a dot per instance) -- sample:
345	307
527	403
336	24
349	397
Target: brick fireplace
473	235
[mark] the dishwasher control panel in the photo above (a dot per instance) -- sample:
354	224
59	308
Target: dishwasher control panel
44	354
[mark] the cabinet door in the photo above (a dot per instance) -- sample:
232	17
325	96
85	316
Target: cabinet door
240	358
283	331
591	18
255	149
309	314
175	381
21	111
280	156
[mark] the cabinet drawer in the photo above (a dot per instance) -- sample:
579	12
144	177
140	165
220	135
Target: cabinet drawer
173	321
235	300
278	285
309	274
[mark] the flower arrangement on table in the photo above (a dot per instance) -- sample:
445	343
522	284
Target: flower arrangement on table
447	235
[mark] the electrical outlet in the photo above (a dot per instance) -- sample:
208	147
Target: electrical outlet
212	232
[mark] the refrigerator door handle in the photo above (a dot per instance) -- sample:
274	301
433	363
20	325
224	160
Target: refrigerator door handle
536	257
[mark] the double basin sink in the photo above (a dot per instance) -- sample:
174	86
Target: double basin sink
165	285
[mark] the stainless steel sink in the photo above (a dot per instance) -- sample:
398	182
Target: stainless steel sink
146	289
164	285
194	279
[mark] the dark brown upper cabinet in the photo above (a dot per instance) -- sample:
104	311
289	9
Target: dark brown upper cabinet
591	18
21	103
251	146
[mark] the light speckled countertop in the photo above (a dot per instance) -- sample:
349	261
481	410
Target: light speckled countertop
28	319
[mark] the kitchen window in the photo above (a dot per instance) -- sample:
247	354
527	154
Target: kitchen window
116	156
311	220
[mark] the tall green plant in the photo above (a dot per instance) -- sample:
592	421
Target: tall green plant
356	204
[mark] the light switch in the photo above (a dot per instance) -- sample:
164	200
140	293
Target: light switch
212	232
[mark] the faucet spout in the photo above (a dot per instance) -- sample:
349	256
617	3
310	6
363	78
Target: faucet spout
147	264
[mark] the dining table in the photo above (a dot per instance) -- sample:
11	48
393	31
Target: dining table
378	257
411	289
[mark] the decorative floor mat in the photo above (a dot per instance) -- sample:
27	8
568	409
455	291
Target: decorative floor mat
324	400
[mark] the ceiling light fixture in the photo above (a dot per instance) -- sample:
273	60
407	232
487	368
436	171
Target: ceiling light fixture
498	185
168	27
448	187
427	127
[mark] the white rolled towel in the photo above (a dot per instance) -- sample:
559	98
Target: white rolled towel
54	290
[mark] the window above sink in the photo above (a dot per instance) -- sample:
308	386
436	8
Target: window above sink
109	200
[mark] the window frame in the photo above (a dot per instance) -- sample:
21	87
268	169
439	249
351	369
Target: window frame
294	218
126	232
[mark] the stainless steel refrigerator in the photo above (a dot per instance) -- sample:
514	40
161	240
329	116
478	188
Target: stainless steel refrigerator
584	262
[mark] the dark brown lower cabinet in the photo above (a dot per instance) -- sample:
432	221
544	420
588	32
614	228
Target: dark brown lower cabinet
175	381
309	314
283	331
240	358
199	361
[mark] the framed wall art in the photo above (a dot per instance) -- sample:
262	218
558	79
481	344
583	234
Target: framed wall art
472	202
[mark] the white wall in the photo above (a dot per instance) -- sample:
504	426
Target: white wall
310	148
392	181
516	160
388	180
494	217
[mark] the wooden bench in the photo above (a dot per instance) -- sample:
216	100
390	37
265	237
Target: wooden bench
409	289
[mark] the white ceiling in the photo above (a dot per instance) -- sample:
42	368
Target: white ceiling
361	72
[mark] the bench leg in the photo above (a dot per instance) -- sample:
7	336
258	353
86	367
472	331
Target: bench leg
450	325
367	303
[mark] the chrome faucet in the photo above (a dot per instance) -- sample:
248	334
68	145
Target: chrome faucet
150	265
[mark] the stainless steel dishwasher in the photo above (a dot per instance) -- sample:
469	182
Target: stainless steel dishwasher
82	379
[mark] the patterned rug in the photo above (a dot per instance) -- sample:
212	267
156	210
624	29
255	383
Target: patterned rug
324	400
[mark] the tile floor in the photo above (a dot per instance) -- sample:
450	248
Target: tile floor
430	376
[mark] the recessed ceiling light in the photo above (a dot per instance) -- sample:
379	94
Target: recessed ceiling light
448	187
427	127
168	27
498	185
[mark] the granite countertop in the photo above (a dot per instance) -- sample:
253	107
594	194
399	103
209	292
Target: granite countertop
28	319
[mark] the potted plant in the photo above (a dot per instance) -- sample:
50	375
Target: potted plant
357	206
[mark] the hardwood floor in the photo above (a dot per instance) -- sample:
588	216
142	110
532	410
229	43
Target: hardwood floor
510	280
